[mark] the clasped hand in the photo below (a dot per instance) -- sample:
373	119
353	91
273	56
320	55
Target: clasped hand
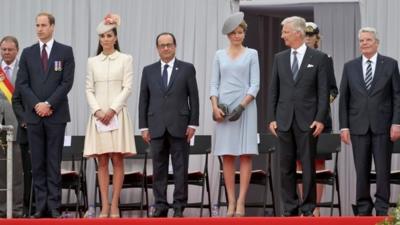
104	116
43	110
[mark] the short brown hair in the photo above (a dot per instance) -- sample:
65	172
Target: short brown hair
51	18
11	39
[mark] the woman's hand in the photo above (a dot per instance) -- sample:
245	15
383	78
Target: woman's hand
218	115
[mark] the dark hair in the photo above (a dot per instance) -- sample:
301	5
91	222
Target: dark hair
10	38
166	33
51	18
116	45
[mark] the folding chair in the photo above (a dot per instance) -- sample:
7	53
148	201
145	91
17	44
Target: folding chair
260	177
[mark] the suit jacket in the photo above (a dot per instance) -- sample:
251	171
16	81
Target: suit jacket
305	98
171	109
52	85
333	92
6	111
19	110
376	108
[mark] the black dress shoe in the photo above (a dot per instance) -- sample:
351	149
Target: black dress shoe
178	212
54	213
381	213
308	214
291	213
38	215
160	213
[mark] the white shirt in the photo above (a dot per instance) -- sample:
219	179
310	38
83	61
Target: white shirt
169	69
49	46
301	51
365	64
12	66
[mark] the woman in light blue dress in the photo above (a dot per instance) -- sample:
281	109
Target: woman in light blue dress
234	85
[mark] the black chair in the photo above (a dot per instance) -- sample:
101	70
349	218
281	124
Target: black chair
132	180
261	177
201	147
328	144
75	178
394	174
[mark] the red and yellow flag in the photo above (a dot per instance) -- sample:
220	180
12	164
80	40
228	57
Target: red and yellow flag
6	86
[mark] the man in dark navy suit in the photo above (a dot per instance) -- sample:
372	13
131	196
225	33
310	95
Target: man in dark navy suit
45	76
369	118
168	115
297	107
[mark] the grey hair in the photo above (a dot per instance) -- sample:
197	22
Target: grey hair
369	30
299	23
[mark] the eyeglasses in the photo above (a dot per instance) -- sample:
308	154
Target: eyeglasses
169	45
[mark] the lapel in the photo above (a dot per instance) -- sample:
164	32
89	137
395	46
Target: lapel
378	72
37	61
158	75
287	67
359	75
15	71
52	57
174	73
306	59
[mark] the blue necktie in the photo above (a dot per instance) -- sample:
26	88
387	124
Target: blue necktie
165	76
368	75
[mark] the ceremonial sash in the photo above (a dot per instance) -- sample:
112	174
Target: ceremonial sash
6	86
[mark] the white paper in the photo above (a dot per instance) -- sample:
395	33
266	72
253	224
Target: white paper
112	125
192	140
67	141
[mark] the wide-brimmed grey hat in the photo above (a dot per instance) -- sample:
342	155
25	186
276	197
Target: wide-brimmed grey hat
109	22
232	22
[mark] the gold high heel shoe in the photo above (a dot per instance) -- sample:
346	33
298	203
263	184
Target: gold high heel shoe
115	215
238	212
230	211
105	215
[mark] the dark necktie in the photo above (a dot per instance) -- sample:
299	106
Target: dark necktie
295	65
165	76
44	58
368	75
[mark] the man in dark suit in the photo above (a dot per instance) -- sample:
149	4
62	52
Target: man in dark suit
9	64
369	117
22	140
297	107
168	116
45	76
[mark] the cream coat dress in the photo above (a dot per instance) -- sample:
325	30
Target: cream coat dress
108	85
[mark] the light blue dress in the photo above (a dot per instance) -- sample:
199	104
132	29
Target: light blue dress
232	80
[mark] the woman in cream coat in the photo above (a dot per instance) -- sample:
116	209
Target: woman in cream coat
109	133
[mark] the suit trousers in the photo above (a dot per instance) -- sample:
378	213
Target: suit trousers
365	147
27	170
46	141
161	149
290	142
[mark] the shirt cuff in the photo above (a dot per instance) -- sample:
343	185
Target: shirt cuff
194	127
343	129
143	129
